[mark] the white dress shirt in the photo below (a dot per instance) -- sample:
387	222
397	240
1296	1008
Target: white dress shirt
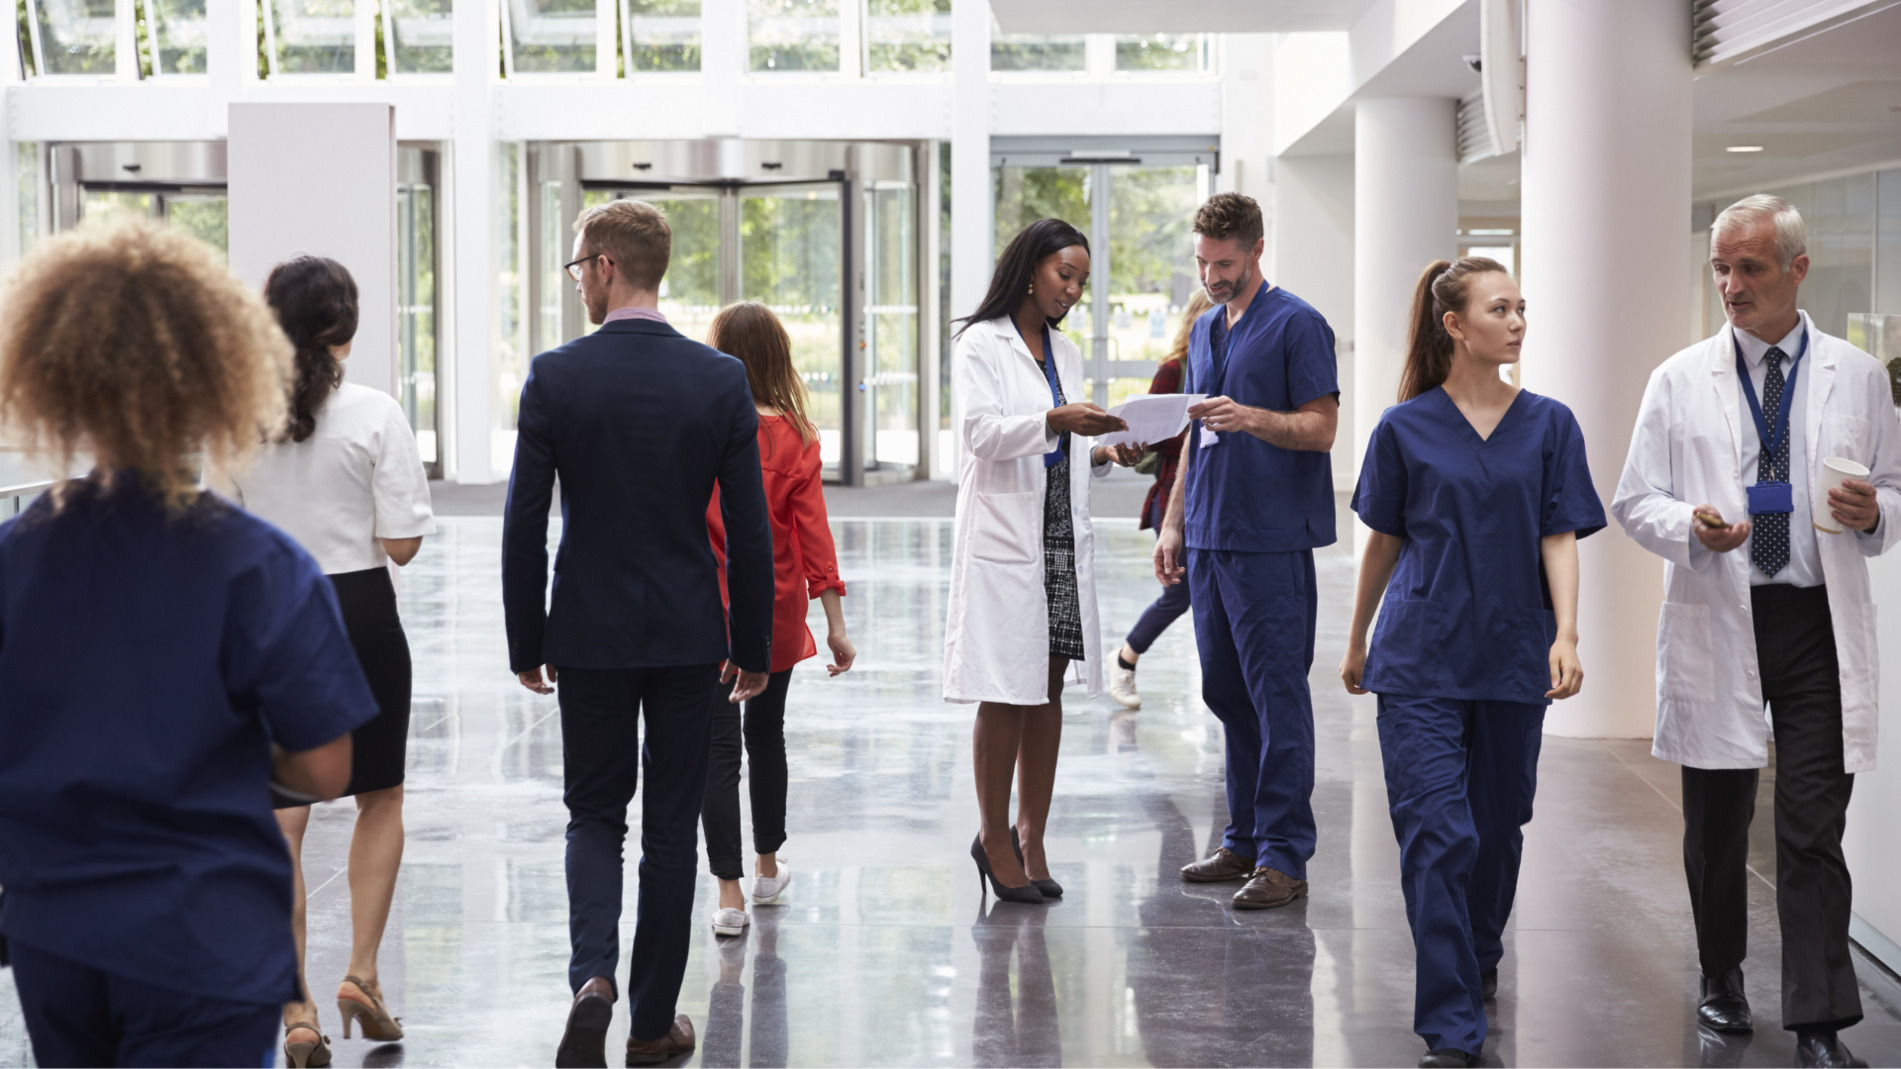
1805	564
356	480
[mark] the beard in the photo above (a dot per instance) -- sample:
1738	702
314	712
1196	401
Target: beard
1228	288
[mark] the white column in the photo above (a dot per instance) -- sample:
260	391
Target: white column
1310	252
970	172
471	230
1405	215
1606	197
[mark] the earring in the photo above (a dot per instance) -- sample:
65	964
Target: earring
1032	289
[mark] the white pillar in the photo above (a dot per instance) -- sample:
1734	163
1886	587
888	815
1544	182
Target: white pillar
1405	215
472	231
970	174
1310	252
1606	199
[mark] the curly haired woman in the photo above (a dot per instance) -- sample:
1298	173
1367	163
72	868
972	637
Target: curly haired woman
164	657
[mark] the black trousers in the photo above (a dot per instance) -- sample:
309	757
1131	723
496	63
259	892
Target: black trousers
763	731
1795	646
602	755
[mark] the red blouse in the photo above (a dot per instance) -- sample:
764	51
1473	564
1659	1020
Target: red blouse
804	562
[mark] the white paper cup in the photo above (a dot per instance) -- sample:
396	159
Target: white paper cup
1834	471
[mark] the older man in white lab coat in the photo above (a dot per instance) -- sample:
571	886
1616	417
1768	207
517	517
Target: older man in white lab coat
1762	605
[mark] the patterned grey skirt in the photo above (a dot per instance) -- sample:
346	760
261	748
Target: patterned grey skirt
1059	565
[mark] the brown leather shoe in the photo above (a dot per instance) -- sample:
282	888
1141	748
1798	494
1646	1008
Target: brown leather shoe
1220	867
585	1041
654	1051
1269	888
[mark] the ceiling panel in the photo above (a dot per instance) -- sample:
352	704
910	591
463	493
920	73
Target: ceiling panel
1176	16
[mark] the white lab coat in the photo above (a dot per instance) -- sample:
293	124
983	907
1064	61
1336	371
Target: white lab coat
996	637
1687	450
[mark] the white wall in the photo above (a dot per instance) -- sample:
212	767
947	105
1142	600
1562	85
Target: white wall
321	179
1312	256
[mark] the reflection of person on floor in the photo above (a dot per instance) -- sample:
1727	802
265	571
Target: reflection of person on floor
721	1045
1253	501
163	655
1019	1029
640	424
804	566
1023	580
1476	493
1173	600
346	480
1789	620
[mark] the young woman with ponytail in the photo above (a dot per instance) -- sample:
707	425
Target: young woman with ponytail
1476	492
346	480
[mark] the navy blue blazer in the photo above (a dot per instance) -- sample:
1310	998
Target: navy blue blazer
639	422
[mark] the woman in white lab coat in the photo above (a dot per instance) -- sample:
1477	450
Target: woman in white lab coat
1022	594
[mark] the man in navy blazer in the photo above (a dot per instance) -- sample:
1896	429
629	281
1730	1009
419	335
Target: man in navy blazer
639	423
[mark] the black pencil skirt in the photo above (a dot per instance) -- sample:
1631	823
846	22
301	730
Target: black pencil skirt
380	748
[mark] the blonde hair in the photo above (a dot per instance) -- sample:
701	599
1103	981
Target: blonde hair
1198	303
134	343
633	234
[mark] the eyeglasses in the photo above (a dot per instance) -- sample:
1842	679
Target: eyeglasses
574	268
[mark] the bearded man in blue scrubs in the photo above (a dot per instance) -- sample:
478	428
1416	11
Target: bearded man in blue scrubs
1253	499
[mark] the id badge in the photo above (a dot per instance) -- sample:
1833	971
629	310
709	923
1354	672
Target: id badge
1768	499
1208	437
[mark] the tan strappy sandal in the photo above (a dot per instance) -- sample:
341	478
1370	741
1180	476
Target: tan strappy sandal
301	1054
371	1016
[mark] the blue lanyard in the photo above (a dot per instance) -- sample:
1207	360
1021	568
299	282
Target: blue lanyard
1771	442
1056	399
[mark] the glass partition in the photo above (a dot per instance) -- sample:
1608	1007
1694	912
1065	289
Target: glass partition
661	35
790	258
907	35
1035	52
77	36
178	36
552	36
311	36
420	36
416	314
1026	194
1163	52
511	335
689	295
793	35
1151	264
891	325
205	216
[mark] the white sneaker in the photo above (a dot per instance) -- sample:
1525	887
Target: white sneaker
767	889
1122	687
730	922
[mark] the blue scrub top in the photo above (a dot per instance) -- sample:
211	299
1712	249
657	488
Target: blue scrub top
1244	494
147	662
1467	614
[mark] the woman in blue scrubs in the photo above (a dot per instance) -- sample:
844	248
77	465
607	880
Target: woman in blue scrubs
163	657
1476	492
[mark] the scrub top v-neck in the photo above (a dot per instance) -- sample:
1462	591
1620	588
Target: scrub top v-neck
1467	613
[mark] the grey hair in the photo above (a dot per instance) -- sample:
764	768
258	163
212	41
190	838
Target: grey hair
1792	234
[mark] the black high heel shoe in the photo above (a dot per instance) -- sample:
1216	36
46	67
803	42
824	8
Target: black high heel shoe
1027	894
1050	888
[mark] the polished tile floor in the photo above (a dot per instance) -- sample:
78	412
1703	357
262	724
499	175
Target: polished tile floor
883	956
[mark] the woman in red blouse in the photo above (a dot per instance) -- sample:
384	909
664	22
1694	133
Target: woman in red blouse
1174	599
805	566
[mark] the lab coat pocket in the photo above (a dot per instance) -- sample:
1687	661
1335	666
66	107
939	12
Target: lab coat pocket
1007	528
1686	667
1846	437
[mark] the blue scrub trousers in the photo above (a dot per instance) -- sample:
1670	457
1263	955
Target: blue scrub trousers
1254	624
79	1015
1460	776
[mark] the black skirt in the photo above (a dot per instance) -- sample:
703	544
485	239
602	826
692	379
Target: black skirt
380	748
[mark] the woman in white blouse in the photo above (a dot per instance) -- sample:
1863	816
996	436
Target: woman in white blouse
347	482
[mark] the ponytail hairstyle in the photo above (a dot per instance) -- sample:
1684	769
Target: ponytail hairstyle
749	331
315	301
1443	287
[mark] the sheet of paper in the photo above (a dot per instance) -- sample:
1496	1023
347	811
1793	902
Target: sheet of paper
1152	418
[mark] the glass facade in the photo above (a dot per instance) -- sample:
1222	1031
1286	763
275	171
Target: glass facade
1178	52
311	36
790	245
1029	52
77	36
553	36
510	359
891	325
416	313
907	35
793	35
419	36
177	29
661	35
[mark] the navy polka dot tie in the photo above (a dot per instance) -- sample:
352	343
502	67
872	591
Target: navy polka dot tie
1769	537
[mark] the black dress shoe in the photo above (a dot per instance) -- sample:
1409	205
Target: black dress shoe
1488	984
1448	1056
1823	1049
1723	1008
